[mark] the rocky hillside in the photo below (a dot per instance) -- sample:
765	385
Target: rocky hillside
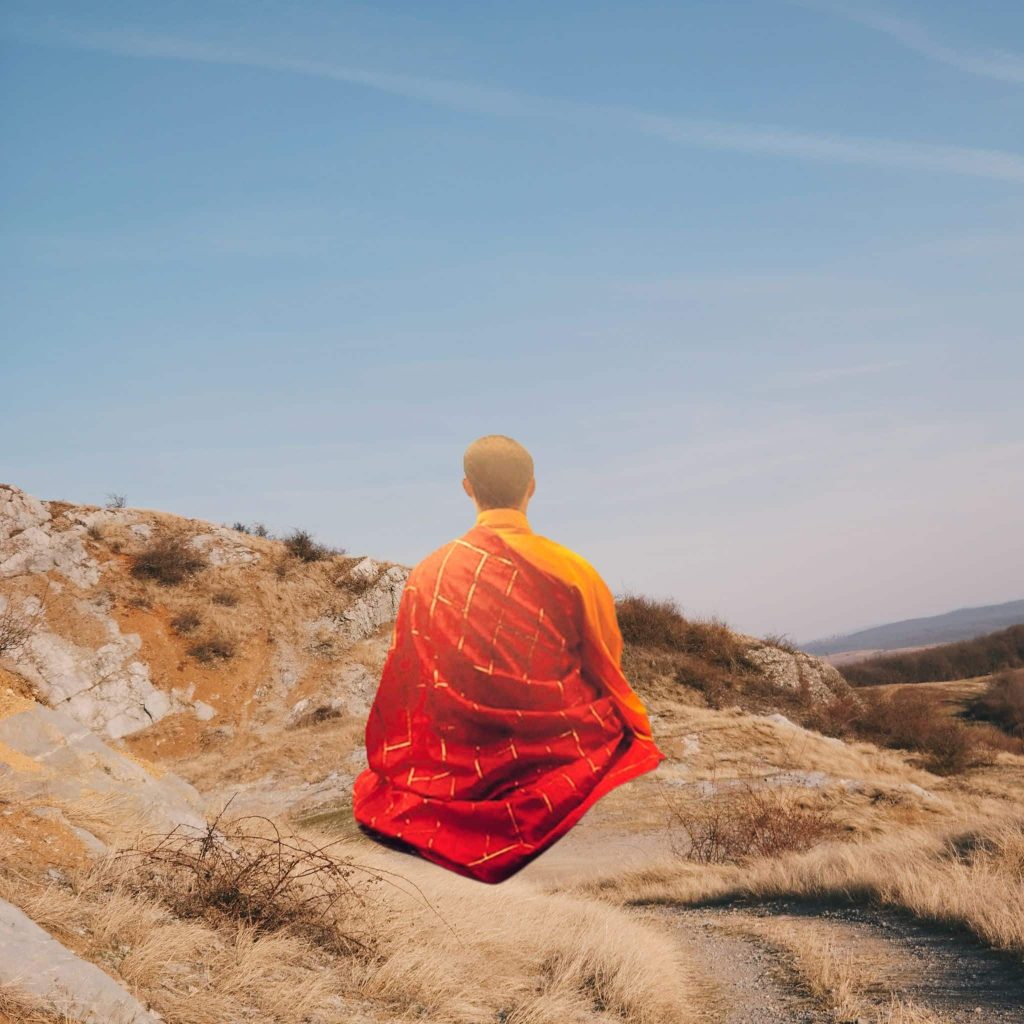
156	670
203	646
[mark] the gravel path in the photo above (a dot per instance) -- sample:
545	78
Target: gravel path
743	982
747	981
956	977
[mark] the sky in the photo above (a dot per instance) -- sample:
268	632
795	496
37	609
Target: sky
745	277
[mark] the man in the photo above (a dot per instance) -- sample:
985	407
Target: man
502	713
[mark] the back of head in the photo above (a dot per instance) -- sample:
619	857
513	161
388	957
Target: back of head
500	470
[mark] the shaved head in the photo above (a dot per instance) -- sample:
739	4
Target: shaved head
500	470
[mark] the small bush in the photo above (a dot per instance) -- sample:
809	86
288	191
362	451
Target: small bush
212	649
745	821
1002	703
914	720
186	622
94	532
248	872
225	598
301	545
116	500
169	560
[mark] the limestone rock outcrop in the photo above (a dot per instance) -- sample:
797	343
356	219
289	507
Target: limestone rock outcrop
795	670
46	755
34	962
29	545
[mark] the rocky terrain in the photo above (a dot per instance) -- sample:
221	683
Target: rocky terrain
156	672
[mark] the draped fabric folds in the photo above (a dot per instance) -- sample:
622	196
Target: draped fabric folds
502	714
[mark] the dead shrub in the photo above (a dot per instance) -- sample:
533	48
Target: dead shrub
212	649
647	622
719	686
17	628
834	716
913	720
321	713
246	871
301	545
1002	703
225	598
169	560
186	622
746	820
783	642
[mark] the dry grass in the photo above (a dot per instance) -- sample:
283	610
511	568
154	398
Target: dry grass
195	945
970	877
18	1007
186	622
749	819
212	648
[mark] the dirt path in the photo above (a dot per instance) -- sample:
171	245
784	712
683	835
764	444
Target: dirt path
742	981
957	977
787	963
790	962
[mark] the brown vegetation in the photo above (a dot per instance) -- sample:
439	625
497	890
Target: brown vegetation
187	622
910	719
747	819
211	649
1002	702
248	871
169	560
979	657
647	622
302	545
17	1007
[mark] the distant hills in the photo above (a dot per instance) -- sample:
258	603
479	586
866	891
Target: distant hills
962	624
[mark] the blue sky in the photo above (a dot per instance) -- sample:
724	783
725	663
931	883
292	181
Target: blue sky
745	277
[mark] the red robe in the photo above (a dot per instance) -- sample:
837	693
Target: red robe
502	714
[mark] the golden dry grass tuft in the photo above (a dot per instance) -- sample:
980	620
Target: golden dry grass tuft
18	1007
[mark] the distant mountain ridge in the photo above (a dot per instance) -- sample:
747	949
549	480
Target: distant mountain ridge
961	624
